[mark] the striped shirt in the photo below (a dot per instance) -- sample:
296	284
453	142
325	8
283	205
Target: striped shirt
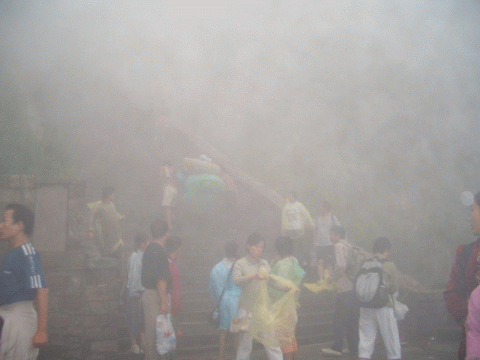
21	274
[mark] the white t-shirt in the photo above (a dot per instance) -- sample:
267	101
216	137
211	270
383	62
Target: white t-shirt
169	194
324	224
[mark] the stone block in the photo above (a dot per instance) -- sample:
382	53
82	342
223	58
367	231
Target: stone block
106	320
103	333
58	281
102	307
103	346
101	292
75	260
52	260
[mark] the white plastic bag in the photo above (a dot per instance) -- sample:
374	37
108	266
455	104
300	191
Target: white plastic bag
166	341
399	308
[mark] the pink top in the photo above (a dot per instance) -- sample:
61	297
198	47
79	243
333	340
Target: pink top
473	321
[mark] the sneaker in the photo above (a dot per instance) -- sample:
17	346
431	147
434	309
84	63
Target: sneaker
331	352
135	349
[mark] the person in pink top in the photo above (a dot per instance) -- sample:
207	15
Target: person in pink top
472	325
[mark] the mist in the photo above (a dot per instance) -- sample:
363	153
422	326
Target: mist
372	105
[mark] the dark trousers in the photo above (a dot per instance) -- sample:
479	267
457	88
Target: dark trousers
345	321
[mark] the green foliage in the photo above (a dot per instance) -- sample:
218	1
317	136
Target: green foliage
23	151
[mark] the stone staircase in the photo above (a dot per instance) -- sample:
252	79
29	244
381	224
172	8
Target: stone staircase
196	259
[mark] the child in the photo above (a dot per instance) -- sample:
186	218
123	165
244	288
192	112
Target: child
135	290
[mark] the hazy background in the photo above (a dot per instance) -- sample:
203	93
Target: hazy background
372	105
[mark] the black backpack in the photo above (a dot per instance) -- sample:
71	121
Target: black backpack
370	288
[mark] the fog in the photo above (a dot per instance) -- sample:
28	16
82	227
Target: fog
372	105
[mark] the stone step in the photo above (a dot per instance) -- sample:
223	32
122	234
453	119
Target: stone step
205	344
196	323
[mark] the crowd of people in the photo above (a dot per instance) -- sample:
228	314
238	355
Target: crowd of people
257	298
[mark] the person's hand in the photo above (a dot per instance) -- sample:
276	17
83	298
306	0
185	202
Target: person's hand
253	276
39	339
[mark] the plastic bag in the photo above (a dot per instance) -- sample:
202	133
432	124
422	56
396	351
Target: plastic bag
166	340
274	324
214	317
400	310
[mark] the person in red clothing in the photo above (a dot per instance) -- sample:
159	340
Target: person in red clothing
173	246
464	276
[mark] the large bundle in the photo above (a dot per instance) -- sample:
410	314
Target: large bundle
197	166
203	192
274	324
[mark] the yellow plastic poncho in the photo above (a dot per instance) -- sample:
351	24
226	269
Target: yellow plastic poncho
273	325
324	284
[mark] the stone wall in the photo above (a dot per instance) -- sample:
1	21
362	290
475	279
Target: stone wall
84	309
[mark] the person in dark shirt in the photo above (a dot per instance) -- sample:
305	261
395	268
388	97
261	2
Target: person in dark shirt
156	280
23	289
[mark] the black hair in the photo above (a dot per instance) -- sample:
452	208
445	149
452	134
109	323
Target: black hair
293	193
284	246
25	215
477	198
326	205
338	230
158	228
254	239
380	245
107	191
231	248
172	244
140	239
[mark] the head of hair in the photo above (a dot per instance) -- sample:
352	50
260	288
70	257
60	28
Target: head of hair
140	239
107	191
25	215
477	198
231	248
172	244
326	205
381	244
338	230
158	228
284	246
293	193
254	239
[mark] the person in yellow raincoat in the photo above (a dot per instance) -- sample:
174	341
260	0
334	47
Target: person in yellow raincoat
104	225
288	268
256	316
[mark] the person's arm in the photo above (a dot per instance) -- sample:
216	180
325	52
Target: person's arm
308	218
335	221
240	278
92	218
162	293
41	299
